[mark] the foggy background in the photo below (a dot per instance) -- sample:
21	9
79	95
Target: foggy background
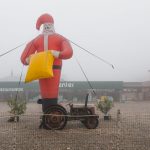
115	30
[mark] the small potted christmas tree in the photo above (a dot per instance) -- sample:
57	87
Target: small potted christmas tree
17	107
104	104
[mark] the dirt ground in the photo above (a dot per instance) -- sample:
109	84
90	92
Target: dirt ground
129	131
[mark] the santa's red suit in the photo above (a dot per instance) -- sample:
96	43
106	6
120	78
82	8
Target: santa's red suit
60	48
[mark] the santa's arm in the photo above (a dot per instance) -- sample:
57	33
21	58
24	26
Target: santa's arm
29	50
66	50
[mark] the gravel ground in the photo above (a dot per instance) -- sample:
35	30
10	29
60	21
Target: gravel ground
131	131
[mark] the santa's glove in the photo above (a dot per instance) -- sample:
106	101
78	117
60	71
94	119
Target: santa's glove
55	53
28	60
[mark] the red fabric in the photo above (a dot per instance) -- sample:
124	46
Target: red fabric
45	18
49	87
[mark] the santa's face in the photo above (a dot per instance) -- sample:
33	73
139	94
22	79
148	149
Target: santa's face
48	27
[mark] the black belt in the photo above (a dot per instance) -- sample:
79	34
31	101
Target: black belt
56	67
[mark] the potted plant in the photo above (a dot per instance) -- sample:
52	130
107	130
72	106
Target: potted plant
104	104
17	107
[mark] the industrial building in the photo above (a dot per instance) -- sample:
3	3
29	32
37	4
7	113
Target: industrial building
76	90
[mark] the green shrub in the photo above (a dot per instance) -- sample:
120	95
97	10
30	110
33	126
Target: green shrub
17	107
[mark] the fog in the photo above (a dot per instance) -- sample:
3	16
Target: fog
115	30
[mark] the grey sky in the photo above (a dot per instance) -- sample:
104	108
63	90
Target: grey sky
115	30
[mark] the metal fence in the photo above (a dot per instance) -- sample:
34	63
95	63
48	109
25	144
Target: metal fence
127	131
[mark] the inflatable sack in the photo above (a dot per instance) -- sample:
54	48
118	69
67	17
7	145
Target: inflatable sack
40	66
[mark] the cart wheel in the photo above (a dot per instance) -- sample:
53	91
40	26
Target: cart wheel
91	122
55	117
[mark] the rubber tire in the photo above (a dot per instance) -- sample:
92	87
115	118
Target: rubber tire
89	112
55	108
88	124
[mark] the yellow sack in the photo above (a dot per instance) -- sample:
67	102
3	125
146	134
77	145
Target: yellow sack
40	66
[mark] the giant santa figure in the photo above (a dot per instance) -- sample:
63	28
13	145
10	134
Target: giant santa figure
60	48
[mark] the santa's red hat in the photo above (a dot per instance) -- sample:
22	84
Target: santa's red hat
45	18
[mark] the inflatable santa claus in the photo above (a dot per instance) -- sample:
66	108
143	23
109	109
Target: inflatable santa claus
60	49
